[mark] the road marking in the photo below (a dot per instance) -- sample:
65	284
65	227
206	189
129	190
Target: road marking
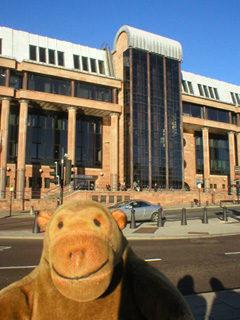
4	248
237	252
17	267
153	259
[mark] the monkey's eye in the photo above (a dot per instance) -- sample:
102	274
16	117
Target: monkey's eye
97	222
60	225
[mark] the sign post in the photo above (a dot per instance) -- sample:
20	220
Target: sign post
11	193
199	184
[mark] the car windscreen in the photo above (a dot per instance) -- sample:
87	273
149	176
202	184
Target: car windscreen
119	204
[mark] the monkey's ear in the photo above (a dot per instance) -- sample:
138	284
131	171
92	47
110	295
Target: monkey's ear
43	219
120	218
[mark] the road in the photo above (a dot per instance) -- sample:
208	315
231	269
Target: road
190	264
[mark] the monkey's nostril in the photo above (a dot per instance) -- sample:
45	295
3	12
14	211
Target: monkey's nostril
76	254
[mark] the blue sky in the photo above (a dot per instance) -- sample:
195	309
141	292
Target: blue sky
208	30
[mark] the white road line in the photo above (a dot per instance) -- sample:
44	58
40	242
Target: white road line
17	267
237	252
154	259
4	248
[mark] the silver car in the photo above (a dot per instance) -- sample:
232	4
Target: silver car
143	209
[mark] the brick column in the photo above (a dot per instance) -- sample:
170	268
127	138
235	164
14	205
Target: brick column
71	146
22	139
114	151
4	144
232	158
206	159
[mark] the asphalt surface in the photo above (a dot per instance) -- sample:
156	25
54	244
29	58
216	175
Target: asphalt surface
216	305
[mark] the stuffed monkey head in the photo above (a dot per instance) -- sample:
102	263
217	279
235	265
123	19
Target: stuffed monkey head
82	245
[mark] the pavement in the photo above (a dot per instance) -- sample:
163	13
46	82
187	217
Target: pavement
220	305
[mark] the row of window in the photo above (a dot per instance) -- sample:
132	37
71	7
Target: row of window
54	57
204	91
197	111
208	92
47	56
58	86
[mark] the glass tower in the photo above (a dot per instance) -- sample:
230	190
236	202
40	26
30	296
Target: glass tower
152	127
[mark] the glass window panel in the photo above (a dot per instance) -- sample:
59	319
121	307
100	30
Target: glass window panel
93	65
101	67
190	87
32	52
46	183
60	55
206	91
51	56
200	90
216	93
42	54
85	63
76	62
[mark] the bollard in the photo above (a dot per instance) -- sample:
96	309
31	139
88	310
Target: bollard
58	202
225	217
31	210
205	217
184	217
159	220
133	223
207	203
192	204
221	203
36	228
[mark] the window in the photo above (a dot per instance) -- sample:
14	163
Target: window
60	55
93	65
2	77
199	152
216	93
15	80
218	115
31	182
42	54
211	92
206	91
219	154
192	110
184	86
51	56
76	62
48	84
46	183
89	141
200	90
0	46
101	67
93	92
46	137
85	63
33	52
235	98
190	87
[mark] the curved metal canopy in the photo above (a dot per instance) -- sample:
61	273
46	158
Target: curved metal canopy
150	42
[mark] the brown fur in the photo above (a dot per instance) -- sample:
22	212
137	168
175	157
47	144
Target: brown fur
88	272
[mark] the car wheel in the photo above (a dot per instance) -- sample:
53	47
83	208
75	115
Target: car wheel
154	217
